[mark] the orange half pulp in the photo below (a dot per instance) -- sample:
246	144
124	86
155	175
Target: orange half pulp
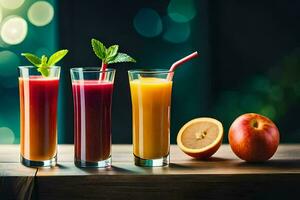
201	137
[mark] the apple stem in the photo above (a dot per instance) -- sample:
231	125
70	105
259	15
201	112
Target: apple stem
255	123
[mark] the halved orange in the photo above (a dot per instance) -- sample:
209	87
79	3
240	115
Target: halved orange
200	137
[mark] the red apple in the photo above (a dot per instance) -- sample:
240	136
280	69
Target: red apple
253	137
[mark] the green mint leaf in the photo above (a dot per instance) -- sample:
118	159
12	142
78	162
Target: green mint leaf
122	57
56	57
99	49
112	50
44	61
111	53
44	71
36	61
43	67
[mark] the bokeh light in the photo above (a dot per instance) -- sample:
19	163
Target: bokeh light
147	22
13	30
1	14
17	36
11	4
40	13
9	62
182	11
176	32
7	136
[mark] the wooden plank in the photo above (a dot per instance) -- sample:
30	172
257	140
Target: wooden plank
16	180
9	153
17	187
244	186
222	177
286	160
15	170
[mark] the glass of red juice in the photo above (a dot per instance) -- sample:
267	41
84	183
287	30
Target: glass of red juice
38	116
92	96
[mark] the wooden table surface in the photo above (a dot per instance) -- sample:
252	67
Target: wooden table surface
223	176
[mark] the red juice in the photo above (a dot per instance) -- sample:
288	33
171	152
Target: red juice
38	113
92	119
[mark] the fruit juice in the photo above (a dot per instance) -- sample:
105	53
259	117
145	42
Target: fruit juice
92	119
38	112
151	101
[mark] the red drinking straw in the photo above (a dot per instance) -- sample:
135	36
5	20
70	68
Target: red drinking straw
181	61
103	69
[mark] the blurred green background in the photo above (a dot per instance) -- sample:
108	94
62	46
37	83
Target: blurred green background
250	56
26	26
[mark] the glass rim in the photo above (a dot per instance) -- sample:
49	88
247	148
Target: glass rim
32	66
91	69
150	71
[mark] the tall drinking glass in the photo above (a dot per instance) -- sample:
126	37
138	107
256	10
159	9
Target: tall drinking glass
38	116
92	95
151	101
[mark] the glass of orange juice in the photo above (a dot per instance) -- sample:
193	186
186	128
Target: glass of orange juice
151	102
38	116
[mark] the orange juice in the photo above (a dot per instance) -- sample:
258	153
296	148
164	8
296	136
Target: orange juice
151	101
38	114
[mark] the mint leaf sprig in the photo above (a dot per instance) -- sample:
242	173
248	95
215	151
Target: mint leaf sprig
44	64
109	55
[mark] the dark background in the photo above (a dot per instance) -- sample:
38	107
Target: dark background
249	60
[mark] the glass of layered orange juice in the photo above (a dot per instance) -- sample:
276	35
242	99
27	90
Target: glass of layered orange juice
38	89
151	103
